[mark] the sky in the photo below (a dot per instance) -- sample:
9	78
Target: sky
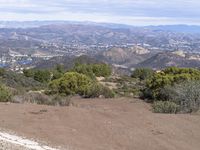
132	12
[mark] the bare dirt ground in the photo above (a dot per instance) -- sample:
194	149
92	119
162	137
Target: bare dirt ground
98	124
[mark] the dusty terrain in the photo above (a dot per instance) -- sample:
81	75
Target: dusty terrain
8	146
98	124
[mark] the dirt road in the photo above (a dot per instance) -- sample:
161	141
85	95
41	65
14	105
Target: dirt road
116	124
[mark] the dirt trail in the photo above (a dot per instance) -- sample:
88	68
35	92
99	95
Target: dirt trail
10	141
98	124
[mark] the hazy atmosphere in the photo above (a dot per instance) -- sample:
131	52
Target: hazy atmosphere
133	12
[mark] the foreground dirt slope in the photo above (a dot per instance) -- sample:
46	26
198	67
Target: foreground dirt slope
119	124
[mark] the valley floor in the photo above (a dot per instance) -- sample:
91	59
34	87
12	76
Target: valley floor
99	124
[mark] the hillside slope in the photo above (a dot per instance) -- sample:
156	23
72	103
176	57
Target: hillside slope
125	56
166	59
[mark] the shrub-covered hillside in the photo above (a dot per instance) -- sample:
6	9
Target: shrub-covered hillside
46	86
173	90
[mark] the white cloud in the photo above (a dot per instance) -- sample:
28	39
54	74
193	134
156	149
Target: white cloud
136	12
137	21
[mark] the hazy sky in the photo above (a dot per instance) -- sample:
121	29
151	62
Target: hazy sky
134	12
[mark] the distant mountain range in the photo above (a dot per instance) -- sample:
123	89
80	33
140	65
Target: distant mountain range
32	24
176	28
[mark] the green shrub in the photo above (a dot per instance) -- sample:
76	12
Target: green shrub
71	83
93	70
142	73
170	77
97	90
20	82
5	95
186	94
165	107
101	70
43	76
84	69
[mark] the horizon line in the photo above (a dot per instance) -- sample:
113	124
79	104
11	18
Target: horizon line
114	23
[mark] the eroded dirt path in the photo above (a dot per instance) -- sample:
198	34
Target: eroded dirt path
10	141
98	124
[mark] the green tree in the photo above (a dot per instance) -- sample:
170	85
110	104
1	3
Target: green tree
103	70
43	76
84	69
142	73
93	70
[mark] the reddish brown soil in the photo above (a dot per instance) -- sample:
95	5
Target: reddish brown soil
98	124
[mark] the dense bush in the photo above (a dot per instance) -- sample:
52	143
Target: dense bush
186	94
170	77
165	107
180	86
5	95
93	70
43	76
97	90
84	69
142	73
57	72
20	82
71	83
101	70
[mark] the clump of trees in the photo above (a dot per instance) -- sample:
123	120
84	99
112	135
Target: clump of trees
142	73
170	77
81	79
93	70
55	85
43	76
72	83
174	85
19	82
